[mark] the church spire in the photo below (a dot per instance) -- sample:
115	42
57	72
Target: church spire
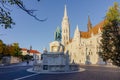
65	12
77	29
89	25
65	28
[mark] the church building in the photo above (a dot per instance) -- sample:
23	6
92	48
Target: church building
84	47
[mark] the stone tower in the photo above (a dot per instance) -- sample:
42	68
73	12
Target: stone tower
65	28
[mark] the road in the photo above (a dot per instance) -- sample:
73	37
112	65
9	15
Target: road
91	73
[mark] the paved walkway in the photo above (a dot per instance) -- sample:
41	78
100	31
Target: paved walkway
17	64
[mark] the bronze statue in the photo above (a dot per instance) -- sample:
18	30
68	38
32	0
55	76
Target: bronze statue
57	34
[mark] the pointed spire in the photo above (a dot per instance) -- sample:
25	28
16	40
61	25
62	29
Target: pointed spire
77	34
77	29
30	47
65	12
89	25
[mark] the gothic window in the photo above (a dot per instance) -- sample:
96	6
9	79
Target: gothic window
90	42
80	61
66	30
82	53
89	53
74	55
66	37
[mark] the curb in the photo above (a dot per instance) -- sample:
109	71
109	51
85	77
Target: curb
37	72
107	66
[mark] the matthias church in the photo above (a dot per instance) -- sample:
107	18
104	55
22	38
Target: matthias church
84	47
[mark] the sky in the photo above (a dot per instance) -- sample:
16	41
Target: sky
30	32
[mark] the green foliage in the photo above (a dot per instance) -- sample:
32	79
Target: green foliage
110	42
113	13
17	51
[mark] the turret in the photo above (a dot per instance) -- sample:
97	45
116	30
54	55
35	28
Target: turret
77	34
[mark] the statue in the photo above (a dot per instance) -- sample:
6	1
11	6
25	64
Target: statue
57	34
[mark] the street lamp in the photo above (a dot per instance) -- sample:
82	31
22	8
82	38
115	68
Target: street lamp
87	55
86	62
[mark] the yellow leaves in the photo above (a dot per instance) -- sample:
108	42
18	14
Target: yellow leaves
113	13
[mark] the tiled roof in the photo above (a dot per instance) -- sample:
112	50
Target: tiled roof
85	34
30	51
33	51
23	49
94	30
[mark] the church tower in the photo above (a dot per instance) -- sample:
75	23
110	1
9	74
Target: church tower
89	25
65	28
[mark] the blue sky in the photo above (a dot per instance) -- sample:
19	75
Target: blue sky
28	31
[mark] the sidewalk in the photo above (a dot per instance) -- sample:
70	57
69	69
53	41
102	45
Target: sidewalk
101	65
17	64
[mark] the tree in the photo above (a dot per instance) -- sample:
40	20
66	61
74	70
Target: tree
5	50
5	16
110	42
1	46
17	51
1	49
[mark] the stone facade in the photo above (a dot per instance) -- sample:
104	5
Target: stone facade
54	61
84	46
56	46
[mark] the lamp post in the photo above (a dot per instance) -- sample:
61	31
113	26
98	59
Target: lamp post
86	62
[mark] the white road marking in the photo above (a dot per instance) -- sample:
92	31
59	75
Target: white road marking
26	76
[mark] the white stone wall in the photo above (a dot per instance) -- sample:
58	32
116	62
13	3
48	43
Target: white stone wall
54	59
86	49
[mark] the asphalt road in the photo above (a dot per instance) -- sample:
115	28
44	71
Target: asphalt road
11	73
91	73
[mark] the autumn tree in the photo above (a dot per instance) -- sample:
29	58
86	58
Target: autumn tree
110	42
1	49
1	46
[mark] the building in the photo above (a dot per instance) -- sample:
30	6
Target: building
84	46
24	51
36	54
